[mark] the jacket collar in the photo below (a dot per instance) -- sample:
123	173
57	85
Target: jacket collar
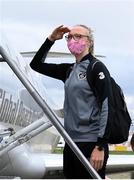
89	56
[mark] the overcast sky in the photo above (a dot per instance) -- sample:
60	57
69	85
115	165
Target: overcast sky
28	22
33	20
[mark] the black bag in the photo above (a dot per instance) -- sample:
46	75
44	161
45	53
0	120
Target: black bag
119	120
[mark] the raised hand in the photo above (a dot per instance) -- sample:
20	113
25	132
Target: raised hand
58	33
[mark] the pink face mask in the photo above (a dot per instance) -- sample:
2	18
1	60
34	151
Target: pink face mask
76	47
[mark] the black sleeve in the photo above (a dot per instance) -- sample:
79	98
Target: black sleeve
103	87
57	71
102	81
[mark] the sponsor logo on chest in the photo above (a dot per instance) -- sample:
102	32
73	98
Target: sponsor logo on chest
82	75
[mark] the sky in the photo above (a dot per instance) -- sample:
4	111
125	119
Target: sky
27	23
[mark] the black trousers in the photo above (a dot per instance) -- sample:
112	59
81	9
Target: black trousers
74	169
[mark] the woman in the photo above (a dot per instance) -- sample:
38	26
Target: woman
85	119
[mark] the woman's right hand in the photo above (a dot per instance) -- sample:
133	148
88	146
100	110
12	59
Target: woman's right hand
58	33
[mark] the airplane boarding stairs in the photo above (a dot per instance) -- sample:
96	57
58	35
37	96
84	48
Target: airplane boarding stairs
20	137
39	126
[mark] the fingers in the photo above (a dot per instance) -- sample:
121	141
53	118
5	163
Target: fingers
97	164
63	29
58	33
97	159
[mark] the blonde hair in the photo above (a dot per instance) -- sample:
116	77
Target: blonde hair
91	38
